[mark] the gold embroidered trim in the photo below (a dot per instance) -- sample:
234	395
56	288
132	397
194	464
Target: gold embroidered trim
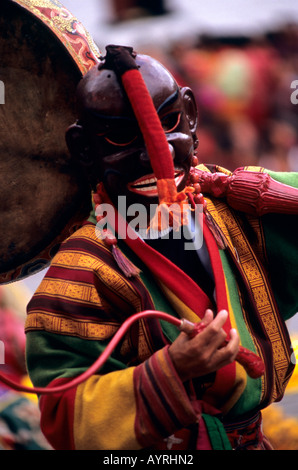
86	329
68	29
75	291
252	271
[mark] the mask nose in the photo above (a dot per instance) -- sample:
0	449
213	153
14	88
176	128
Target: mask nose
144	156
172	151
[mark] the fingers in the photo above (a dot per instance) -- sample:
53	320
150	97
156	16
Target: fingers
208	317
228	353
219	320
221	352
207	351
214	330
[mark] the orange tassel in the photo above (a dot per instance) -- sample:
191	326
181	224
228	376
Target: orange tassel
172	210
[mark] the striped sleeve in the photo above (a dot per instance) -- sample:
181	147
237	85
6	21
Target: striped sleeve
76	310
162	405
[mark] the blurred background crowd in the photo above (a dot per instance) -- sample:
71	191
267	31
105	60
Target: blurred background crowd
241	76
241	60
242	88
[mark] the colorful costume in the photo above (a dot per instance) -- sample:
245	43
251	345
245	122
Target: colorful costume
137	400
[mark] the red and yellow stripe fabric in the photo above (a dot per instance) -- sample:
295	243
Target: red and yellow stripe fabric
66	314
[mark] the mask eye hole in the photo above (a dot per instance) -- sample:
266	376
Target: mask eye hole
171	121
120	137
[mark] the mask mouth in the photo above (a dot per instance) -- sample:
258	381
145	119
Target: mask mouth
146	185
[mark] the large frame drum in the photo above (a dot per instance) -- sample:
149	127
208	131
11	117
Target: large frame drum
44	52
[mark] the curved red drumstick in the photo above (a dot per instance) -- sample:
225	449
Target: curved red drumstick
253	364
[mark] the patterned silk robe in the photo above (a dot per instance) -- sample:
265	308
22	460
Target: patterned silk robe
137	399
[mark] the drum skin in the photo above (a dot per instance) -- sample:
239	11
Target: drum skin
44	52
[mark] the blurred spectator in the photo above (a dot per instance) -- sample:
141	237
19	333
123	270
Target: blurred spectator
129	9
281	151
19	414
243	90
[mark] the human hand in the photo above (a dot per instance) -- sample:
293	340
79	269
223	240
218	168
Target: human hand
205	352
